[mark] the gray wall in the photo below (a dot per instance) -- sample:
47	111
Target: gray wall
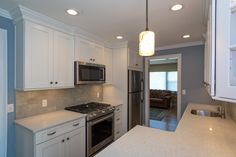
9	26
163	67
192	74
30	103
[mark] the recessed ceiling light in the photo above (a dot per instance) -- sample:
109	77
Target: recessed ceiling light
186	36
72	12
119	37
177	7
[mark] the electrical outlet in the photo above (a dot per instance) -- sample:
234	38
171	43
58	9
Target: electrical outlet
184	92
10	108
98	94
44	103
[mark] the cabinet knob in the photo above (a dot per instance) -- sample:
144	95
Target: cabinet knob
62	141
51	82
68	138
136	64
91	59
56	82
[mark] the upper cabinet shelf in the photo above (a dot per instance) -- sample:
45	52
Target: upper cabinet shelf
233	5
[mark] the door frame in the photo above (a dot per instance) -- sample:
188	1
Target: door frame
3	91
146	85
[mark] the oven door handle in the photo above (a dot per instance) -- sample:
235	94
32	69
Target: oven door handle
101	119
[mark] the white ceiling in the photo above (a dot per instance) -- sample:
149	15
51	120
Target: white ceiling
108	18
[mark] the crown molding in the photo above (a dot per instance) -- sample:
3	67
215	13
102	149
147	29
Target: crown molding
5	13
23	13
188	44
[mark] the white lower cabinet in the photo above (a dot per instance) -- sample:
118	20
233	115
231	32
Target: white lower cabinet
71	144
51	148
118	122
63	140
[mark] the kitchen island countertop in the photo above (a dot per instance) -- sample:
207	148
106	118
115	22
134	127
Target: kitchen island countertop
195	136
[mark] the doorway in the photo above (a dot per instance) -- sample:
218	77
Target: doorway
3	92
163	91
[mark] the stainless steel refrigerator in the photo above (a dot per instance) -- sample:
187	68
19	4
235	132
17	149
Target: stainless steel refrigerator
135	98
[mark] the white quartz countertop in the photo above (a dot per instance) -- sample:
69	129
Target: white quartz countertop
44	121
192	138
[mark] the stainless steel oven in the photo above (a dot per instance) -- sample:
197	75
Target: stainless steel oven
100	132
88	73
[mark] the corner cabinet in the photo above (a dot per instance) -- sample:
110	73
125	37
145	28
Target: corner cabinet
220	54
44	57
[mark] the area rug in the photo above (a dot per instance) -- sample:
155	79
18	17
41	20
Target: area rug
157	113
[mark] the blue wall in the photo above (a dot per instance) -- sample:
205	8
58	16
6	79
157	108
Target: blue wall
192	74
9	26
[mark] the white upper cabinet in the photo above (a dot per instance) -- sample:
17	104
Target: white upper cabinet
63	60
226	49
44	57
38	56
88	52
135	61
209	59
108	61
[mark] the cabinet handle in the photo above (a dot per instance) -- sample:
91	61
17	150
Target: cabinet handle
118	109
51	82
49	134
76	124
56	82
68	138
117	119
63	141
136	64
117	132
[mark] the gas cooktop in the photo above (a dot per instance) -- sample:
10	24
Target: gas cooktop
92	109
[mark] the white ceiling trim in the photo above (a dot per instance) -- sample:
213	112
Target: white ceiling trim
5	13
188	44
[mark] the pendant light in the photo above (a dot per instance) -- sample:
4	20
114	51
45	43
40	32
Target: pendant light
146	39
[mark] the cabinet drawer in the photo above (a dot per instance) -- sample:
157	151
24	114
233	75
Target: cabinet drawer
118	131
53	132
118	117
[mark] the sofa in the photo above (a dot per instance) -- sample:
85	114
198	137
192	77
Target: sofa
160	98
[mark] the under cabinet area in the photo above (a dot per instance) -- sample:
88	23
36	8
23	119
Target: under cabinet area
44	57
57	134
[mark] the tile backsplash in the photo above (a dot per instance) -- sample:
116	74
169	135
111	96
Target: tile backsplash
30	103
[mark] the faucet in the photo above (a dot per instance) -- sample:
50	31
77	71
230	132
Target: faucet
221	110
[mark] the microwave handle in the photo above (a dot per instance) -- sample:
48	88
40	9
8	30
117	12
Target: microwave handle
103	74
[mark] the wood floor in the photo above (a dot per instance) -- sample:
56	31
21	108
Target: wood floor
168	123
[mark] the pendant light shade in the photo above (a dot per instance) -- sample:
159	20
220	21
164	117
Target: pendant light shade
147	43
147	39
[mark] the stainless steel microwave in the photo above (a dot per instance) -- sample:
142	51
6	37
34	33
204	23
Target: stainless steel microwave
88	73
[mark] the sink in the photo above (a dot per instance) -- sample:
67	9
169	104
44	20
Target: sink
205	113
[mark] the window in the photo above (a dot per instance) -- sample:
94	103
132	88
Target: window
164	80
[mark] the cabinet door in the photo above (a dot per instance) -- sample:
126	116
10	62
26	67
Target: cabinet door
97	53
63	60
107	60
38	56
209	59
75	144
225	52
134	60
138	61
83	50
51	148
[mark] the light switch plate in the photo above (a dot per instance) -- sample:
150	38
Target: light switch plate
184	92
10	108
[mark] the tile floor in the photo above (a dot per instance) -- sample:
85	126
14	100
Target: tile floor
168	123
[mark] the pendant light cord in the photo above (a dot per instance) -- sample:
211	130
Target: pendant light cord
146	15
